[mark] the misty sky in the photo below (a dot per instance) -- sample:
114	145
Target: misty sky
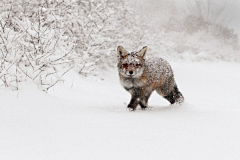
231	11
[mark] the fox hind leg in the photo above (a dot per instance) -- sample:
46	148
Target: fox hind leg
175	96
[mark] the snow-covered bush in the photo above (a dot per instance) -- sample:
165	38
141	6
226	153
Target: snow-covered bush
42	40
33	48
97	28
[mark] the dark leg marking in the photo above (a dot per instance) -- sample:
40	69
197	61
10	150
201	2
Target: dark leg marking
133	103
144	101
175	96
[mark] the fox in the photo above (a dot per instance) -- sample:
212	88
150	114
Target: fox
140	77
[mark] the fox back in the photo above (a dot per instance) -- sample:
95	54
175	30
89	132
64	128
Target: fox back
142	76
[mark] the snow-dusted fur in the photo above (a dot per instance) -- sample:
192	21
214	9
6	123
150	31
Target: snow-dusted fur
141	77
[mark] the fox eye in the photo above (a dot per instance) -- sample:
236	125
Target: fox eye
125	65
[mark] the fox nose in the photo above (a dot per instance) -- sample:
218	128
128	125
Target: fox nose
130	72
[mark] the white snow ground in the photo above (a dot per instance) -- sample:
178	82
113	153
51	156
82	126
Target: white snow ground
87	119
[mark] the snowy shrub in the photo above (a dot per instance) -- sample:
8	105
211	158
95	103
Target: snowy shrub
36	50
42	40
98	27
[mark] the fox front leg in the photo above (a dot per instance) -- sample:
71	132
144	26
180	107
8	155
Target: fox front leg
144	100
133	103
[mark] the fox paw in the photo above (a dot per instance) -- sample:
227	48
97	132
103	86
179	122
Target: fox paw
179	101
130	109
144	107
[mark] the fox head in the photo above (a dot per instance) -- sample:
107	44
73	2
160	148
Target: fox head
131	65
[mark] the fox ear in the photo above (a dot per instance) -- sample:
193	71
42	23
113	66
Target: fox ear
143	51
121	51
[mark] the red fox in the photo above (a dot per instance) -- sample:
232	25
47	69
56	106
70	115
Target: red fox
141	77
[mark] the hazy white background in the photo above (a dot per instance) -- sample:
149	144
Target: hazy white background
158	9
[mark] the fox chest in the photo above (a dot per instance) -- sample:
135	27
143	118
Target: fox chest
135	85
130	83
